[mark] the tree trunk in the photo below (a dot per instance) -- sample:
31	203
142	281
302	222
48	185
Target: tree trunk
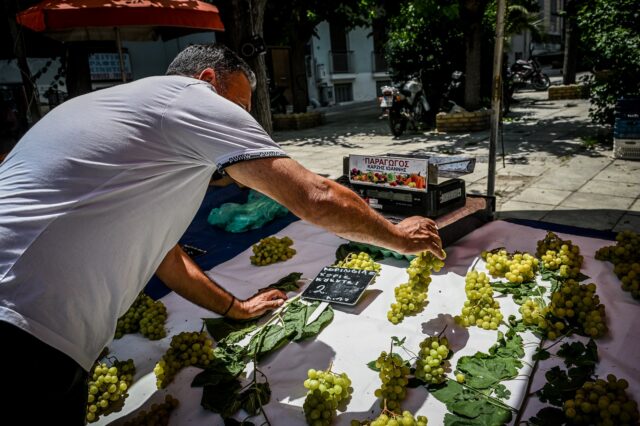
30	88
299	76
570	43
471	12
239	27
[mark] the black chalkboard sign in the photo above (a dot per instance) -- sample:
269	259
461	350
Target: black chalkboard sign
339	285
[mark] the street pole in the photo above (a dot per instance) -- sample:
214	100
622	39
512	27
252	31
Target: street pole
496	98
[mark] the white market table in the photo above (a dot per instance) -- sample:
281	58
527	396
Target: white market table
357	335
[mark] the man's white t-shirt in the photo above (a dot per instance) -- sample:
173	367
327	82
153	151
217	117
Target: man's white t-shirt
95	194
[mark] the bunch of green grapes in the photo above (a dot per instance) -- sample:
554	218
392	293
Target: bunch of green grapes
394	375
411	296
480	308
388	418
625	255
271	250
360	261
576	305
145	315
559	255
158	415
629	275
185	349
326	390
517	267
534	313
108	387
602	402
432	360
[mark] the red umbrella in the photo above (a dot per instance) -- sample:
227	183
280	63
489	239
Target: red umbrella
75	20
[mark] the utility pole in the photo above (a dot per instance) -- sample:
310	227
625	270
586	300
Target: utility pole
496	97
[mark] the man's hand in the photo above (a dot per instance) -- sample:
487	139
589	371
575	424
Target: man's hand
420	234
258	304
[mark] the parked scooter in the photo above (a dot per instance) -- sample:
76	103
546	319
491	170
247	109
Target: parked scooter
278	101
529	72
454	94
409	106
386	100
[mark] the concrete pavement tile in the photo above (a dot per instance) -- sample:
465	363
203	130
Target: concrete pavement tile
592	219
559	183
531	170
628	222
588	201
523	210
621	189
621	171
635	207
551	197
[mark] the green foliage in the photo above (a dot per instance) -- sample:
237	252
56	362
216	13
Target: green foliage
468	407
610	34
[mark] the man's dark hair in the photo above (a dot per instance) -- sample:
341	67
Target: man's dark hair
197	57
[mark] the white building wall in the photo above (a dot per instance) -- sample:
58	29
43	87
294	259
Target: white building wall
362	79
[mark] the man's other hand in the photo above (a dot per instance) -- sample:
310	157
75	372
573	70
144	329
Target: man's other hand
420	234
258	304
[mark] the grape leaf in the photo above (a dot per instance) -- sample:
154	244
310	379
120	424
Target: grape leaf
577	354
343	251
581	277
469	408
295	317
372	365
501	391
541	355
222	398
483	373
256	396
288	283
228	362
549	416
222	328
315	327
398	342
268	340
562	385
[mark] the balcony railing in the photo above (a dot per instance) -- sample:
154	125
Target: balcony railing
378	62
341	62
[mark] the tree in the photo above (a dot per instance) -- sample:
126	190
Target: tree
244	19
610	34
570	42
472	13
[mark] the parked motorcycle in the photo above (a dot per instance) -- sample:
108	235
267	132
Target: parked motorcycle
529	72
454	93
409	106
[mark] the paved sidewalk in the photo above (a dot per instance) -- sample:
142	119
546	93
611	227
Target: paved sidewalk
552	172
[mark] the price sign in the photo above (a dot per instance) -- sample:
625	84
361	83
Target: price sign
339	285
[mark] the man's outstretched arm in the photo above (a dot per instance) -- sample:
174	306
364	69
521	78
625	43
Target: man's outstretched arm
332	206
181	274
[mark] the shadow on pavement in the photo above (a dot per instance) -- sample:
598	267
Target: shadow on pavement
599	223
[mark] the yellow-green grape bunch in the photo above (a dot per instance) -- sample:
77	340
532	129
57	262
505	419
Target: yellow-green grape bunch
559	255
534	314
186	349
271	250
480	308
625	255
360	261
108	387
579	306
602	402
158	415
629	275
517	268
411	296
388	418
145	315
432	360
394	375
326	390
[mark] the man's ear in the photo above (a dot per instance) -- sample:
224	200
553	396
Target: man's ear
208	75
